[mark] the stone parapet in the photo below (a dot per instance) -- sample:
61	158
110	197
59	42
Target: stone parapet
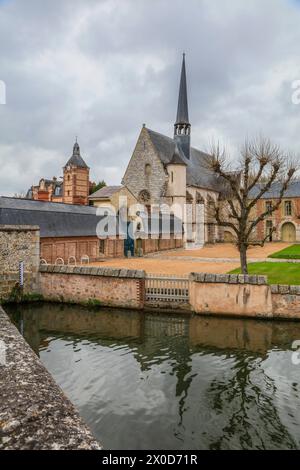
228	279
93	271
87	284
34	412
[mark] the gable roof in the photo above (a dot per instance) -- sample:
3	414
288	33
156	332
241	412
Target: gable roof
105	193
198	174
292	191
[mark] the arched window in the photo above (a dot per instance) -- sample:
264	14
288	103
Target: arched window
148	169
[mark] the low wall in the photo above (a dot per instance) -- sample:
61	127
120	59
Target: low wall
243	296
18	243
34	412
110	287
286	301
247	296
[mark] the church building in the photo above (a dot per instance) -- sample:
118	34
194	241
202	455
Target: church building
168	171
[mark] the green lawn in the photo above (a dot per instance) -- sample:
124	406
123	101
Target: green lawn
278	273
291	252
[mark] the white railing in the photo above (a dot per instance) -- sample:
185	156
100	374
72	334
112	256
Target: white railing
167	288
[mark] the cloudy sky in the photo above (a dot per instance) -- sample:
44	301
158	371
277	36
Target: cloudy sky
99	69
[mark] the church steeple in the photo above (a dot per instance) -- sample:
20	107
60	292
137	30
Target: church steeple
182	132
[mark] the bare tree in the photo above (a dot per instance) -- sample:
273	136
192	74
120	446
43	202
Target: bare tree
261	165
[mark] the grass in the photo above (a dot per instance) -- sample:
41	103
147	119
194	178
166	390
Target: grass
278	273
291	252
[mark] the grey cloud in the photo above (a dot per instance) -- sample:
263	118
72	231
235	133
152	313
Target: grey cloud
100	69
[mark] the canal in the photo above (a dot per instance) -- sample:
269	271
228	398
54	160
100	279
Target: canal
148	381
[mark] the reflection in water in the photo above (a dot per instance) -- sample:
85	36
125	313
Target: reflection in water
145	381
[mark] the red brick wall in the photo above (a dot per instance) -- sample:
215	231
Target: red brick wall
152	246
277	217
53	248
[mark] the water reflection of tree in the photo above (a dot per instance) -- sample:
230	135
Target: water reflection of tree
252	419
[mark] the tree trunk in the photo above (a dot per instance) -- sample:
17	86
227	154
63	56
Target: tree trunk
243	257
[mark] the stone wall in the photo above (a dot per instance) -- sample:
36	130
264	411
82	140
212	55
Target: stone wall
244	296
286	301
18	243
106	286
34	412
136	179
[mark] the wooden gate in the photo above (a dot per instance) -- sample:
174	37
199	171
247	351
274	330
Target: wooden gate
288	233
162	288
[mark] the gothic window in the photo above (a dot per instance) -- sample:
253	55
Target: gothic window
189	198
199	199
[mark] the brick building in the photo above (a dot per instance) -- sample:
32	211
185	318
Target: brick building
74	187
284	224
67	231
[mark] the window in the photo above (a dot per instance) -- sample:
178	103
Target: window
269	230
288	210
269	207
101	247
144	197
148	170
172	177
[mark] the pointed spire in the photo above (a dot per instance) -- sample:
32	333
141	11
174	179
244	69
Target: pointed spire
182	132
182	110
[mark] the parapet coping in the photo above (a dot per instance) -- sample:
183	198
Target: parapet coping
93	271
19	228
34	412
228	279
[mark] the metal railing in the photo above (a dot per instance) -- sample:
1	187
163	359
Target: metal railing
167	288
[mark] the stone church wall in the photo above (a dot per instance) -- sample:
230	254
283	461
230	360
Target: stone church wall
18	243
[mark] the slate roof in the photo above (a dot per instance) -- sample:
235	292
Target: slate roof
182	110
76	159
54	219
62	220
197	172
292	191
105	193
178	157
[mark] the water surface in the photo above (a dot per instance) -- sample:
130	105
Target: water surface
145	381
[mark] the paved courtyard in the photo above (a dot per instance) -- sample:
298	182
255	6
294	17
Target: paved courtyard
225	251
217	259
